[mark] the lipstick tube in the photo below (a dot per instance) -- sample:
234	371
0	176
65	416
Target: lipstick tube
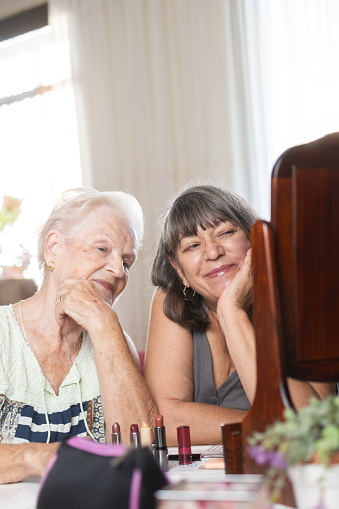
160	447
146	435
184	445
116	435
134	436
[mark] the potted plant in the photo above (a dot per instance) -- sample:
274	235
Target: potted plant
306	447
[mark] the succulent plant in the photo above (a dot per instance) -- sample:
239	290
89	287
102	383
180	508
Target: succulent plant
310	435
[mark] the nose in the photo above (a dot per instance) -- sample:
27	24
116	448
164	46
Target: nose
213	250
116	265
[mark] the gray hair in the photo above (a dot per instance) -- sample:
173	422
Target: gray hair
75	204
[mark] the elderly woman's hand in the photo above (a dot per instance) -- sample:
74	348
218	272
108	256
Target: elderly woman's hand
80	306
238	292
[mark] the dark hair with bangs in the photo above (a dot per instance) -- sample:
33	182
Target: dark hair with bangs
201	206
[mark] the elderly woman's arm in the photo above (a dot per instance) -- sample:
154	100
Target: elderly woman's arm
19	461
124	394
169	375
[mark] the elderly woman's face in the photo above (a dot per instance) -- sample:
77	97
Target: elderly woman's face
208	261
102	250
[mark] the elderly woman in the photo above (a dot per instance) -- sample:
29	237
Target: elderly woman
200	357
66	366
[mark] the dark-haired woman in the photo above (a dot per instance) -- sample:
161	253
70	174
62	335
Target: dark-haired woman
200	358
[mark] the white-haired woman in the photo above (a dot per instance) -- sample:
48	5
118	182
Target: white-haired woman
66	366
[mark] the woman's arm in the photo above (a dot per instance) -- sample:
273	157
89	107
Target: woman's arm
124	394
239	332
169	374
232	311
19	461
301	392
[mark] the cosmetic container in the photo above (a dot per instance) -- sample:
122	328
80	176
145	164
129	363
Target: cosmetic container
146	435
184	445
116	435
160	447
135	436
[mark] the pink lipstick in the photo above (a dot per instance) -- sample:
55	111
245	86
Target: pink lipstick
134	436
220	271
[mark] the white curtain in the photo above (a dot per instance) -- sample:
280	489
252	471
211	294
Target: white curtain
173	90
299	47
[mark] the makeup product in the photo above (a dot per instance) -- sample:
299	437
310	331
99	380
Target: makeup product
134	436
160	447
116	435
146	435
175	457
184	445
198	456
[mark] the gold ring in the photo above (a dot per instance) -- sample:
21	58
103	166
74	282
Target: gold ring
60	298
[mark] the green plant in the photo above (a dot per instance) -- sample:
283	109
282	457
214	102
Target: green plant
310	435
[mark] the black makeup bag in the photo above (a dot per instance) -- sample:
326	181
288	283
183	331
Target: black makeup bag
90	475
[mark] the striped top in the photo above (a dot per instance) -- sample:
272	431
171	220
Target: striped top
230	394
30	411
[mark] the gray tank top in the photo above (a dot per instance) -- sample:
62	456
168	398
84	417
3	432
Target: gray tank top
230	394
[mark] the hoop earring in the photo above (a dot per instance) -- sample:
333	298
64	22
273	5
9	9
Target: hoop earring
51	265
185	296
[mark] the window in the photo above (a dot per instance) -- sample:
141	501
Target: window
39	156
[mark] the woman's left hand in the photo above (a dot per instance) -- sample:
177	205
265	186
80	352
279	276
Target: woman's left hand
238	292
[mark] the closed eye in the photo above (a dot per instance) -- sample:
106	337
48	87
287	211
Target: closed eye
128	263
191	247
228	233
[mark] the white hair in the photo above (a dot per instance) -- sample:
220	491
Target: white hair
75	204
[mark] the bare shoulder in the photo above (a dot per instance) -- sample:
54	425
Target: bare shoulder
169	355
161	328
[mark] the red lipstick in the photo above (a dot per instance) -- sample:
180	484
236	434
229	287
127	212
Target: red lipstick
116	435
160	447
135	436
184	445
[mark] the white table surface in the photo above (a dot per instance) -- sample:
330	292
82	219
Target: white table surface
20	495
23	495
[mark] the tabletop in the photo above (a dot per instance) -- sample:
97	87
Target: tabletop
23	495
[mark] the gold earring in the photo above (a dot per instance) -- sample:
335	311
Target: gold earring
51	265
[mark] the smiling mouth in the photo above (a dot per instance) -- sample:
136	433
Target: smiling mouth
220	271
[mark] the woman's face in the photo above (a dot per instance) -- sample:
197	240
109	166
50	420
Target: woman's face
102	250
208	261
